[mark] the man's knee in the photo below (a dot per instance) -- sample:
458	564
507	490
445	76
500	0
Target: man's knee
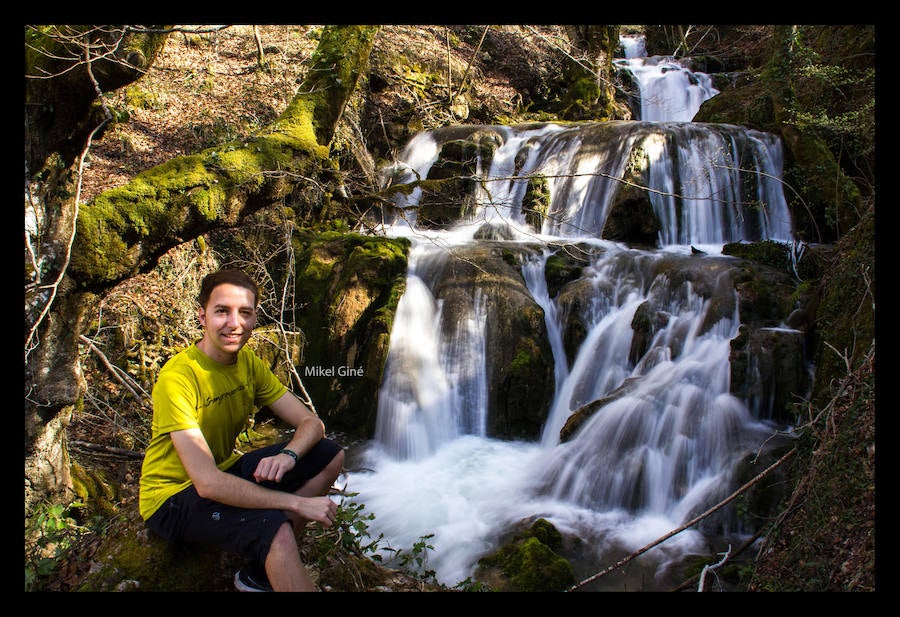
338	461
284	538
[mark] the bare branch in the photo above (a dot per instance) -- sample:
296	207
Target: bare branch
117	373
54	286
102	449
712	568
462	81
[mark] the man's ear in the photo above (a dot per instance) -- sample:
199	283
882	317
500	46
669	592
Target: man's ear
201	315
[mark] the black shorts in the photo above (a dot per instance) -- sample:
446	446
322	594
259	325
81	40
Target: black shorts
187	517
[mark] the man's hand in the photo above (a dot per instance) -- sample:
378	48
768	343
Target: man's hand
319	509
273	468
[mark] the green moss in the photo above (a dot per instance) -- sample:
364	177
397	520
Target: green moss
543	530
833	199
526	355
95	490
531	566
156	201
767	252
582	93
540	569
536	201
558	271
367	250
294	127
335	67
529	561
138	561
347	289
137	97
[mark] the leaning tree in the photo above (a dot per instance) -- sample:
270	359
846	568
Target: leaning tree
74	251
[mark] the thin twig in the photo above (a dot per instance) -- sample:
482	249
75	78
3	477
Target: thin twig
712	568
143	398
80	175
462	81
96	447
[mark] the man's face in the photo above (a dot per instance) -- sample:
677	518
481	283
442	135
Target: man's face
228	319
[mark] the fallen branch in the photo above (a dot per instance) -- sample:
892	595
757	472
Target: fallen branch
116	373
96	447
690	523
750	541
712	568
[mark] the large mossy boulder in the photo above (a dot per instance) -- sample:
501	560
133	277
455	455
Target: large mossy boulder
131	558
519	361
347	288
449	193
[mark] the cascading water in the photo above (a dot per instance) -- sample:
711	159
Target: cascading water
668	90
435	389
667	444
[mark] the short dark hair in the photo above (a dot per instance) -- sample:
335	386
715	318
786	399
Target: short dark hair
226	275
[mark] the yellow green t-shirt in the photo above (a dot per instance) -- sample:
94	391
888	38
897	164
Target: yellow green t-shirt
195	391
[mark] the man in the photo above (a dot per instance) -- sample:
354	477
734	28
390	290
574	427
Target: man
196	487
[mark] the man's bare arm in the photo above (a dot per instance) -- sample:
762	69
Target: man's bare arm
309	428
215	484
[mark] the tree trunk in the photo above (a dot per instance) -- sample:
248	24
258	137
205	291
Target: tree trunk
125	230
592	89
66	67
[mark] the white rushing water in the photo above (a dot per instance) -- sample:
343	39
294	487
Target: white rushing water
652	459
668	90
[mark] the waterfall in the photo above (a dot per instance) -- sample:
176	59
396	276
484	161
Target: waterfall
671	442
668	442
435	388
669	91
699	170
533	271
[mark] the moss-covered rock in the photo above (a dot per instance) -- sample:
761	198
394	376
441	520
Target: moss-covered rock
95	490
131	558
519	361
561	268
536	201
348	286
830	203
449	195
529	562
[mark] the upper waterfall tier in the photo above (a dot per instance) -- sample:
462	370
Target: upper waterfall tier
648	183
669	90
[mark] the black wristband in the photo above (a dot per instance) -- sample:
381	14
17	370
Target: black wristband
290	453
